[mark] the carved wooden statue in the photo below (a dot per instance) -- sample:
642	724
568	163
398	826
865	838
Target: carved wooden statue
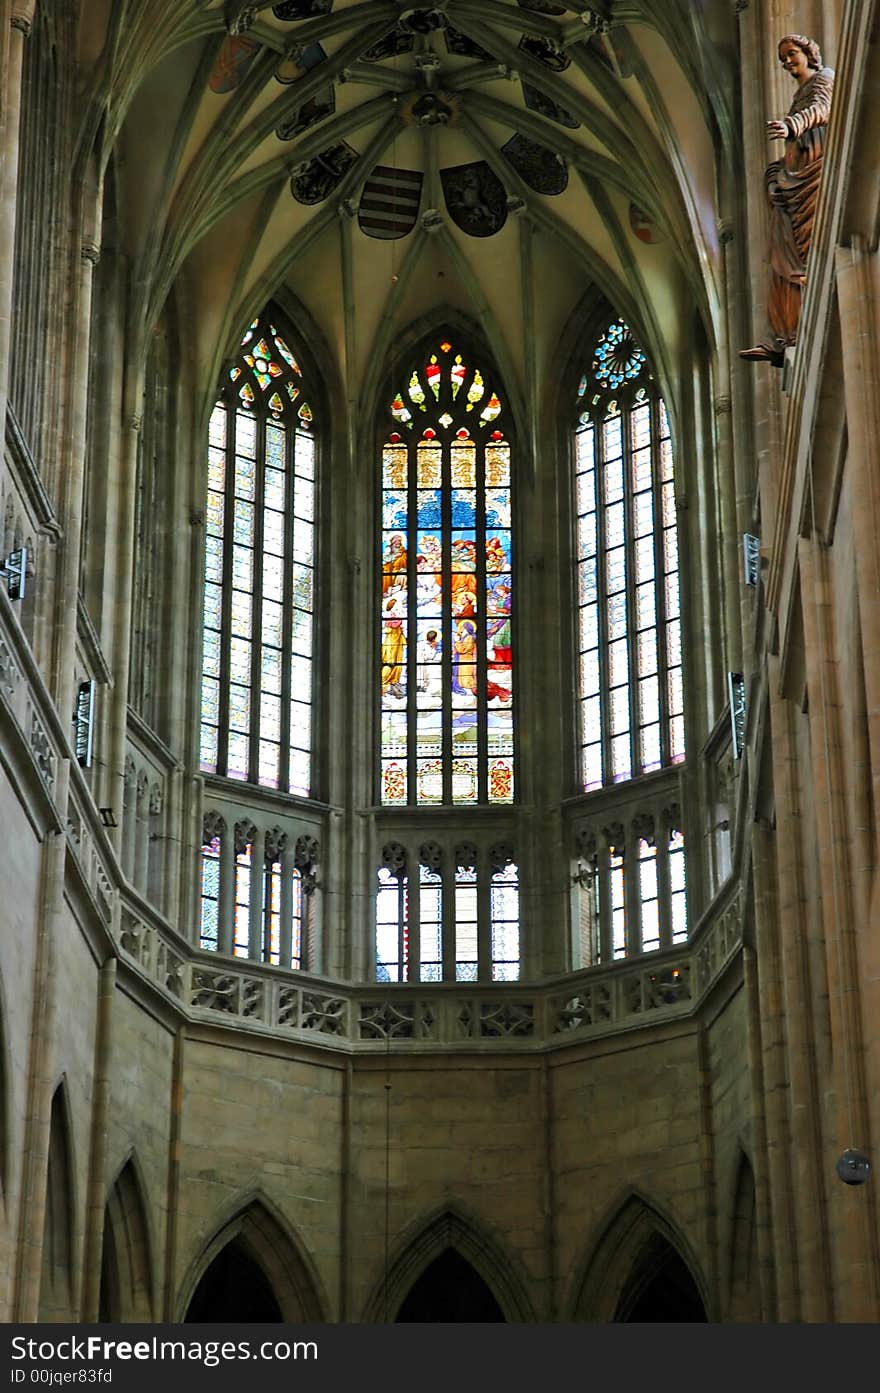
793	188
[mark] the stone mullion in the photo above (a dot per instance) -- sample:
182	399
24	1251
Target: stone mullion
411	623
257	604
660	617
226	905
481	608
632	898
256	903
446	617
632	643
285	908
287	604
602	605
226	591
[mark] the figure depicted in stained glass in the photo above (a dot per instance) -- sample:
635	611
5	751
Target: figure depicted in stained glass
792	185
430	654
446	669
395	563
393	646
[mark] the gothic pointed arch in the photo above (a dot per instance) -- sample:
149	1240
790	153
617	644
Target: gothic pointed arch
744	1286
639	1262
429	1242
257	1237
445	603
59	1234
127	1291
260	563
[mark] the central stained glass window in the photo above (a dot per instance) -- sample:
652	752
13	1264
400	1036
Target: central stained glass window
446	589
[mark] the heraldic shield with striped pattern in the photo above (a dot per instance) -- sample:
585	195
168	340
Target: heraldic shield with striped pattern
390	202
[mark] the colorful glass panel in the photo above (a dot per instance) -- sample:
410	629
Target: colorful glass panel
445	620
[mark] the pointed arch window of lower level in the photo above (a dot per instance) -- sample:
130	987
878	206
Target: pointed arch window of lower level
442	917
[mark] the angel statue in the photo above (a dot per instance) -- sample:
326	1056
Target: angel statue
793	189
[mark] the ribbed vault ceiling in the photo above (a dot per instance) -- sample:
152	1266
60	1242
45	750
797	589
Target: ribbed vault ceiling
382	160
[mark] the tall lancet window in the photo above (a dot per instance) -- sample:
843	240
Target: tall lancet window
629	626
256	717
446	589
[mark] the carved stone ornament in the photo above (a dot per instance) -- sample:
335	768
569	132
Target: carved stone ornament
672	817
276	844
238	17
431	857
305	858
130	773
245	832
394	859
643	827
586	845
213	825
466	856
500	857
614	836
156	800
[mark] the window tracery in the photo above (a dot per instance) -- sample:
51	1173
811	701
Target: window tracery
446	590
256	698
629	618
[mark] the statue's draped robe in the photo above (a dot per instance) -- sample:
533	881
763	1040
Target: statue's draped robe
793	188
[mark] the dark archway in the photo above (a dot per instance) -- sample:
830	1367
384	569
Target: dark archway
56	1277
450	1291
640	1268
661	1289
253	1269
126	1267
236	1289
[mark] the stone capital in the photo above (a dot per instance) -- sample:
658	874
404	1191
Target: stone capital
22	16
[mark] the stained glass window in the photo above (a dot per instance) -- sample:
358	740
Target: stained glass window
256	711
629	625
445	612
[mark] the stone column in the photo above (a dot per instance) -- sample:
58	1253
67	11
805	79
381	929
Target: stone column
123	582
19	15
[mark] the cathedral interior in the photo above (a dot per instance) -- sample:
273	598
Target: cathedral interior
439	717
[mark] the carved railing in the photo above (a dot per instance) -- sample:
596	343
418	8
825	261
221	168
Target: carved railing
489	1016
